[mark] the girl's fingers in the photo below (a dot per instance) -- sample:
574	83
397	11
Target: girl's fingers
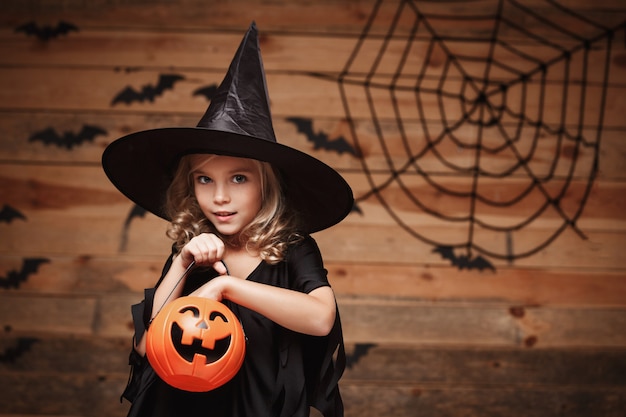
206	249
220	268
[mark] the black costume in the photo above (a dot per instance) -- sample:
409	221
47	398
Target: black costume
284	372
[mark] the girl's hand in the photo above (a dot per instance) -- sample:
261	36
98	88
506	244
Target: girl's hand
313	313
205	249
213	289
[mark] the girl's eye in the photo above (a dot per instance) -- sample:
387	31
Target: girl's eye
203	179
238	179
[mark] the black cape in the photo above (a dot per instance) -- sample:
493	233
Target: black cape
284	372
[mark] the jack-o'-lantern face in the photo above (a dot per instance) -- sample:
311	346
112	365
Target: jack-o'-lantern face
192	335
195	344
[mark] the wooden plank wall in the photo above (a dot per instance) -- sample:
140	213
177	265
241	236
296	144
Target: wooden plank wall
543	335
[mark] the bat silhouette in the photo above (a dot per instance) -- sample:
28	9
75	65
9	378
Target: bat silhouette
136	211
67	139
208	92
12	354
148	91
360	350
46	32
8	214
15	278
463	262
320	140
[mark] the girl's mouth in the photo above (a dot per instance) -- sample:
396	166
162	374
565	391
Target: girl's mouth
224	215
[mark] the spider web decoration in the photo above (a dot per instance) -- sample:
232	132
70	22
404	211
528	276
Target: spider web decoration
498	131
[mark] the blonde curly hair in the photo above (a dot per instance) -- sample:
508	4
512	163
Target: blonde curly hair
270	233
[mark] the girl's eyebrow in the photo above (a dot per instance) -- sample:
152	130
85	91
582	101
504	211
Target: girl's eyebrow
235	171
197	171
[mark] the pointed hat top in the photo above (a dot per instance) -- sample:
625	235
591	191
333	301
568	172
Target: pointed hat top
237	123
241	103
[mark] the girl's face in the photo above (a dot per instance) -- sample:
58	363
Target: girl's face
228	190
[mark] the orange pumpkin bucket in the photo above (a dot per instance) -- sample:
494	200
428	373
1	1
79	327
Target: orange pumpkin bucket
195	344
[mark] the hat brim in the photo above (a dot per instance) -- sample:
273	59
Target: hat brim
141	166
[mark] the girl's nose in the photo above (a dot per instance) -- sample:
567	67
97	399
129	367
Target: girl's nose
221	195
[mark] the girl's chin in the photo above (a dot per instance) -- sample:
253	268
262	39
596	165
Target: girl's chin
227	233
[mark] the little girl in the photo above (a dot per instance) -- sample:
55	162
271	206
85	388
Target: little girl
241	207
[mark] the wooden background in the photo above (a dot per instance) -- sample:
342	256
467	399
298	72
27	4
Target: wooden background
541	336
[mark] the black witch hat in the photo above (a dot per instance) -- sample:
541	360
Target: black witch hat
237	123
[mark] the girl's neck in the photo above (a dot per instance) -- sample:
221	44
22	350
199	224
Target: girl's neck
234	242
241	262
